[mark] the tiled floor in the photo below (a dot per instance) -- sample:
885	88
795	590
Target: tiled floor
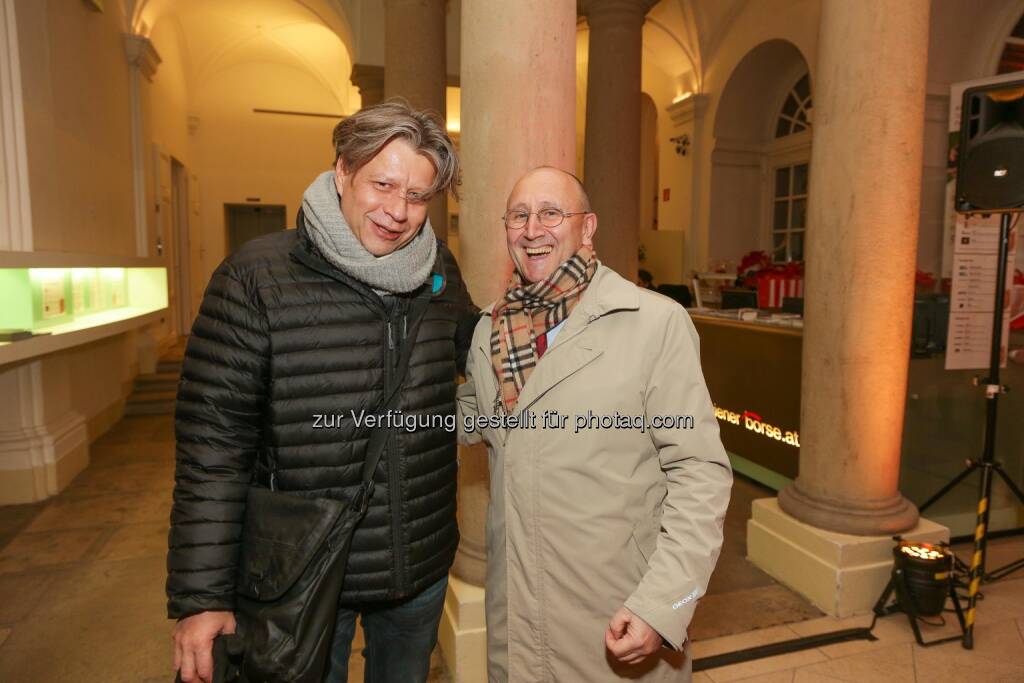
740	596
82	575
81	591
997	654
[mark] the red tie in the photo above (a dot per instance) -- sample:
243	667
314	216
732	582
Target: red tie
542	344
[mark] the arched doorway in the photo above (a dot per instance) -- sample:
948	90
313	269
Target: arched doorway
759	164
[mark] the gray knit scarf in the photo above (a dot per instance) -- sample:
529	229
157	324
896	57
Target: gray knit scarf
398	272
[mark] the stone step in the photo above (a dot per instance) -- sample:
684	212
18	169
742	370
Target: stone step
157	378
159	382
169	366
152	396
149	408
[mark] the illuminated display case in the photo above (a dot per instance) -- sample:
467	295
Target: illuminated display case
66	305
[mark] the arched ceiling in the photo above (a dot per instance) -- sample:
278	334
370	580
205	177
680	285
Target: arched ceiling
311	34
681	36
709	21
750	102
323	36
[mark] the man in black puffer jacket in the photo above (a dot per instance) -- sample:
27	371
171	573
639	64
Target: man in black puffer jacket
298	332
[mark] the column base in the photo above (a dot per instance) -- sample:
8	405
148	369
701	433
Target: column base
891	516
841	574
41	461
463	632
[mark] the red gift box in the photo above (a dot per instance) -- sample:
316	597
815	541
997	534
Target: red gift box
772	288
774	281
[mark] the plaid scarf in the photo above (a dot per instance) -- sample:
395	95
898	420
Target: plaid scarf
528	311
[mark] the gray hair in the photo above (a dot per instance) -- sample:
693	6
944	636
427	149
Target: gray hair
360	137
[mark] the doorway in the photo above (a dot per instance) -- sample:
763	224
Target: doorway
249	221
182	254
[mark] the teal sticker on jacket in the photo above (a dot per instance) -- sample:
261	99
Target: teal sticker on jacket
436	283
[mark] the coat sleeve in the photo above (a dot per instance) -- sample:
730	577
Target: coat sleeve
218	431
468	408
698	480
467	312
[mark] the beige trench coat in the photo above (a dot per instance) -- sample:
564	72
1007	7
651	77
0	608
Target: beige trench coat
582	522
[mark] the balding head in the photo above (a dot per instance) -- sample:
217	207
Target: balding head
537	250
581	193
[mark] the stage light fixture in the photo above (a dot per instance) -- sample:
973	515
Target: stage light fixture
925	570
922	579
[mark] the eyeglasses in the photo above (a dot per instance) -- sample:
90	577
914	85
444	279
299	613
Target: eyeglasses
549	218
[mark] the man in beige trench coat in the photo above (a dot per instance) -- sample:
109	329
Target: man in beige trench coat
609	483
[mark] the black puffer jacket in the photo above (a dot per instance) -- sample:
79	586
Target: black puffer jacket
281	338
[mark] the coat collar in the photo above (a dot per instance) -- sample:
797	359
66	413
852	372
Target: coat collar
607	293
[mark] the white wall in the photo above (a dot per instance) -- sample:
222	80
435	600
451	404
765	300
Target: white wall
75	81
241	154
965	42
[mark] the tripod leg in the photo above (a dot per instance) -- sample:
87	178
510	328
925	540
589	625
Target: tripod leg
956	606
948	487
884	598
978	558
1009	482
906	603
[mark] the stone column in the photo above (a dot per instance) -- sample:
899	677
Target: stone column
415	67
861	255
611	156
143	61
369	78
512	121
15	198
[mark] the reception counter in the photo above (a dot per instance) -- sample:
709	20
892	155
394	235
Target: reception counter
753	373
752	369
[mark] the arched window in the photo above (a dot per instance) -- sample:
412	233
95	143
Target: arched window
796	110
789	212
790	171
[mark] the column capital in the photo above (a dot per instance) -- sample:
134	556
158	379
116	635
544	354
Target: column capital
608	12
141	54
369	78
686	110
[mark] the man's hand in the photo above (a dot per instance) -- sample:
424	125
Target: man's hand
629	638
193	643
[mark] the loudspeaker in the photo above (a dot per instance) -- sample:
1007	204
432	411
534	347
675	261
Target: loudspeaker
990	169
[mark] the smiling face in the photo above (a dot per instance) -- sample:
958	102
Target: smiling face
538	250
380	201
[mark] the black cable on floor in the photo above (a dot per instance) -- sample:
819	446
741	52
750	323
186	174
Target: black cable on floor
785	647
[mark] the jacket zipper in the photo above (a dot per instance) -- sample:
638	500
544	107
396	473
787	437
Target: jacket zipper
394	483
390	361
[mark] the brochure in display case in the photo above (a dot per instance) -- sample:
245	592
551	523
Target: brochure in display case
77	304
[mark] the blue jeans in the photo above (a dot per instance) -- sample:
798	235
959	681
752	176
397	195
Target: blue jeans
400	637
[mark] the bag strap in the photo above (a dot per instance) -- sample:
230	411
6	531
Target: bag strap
379	437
